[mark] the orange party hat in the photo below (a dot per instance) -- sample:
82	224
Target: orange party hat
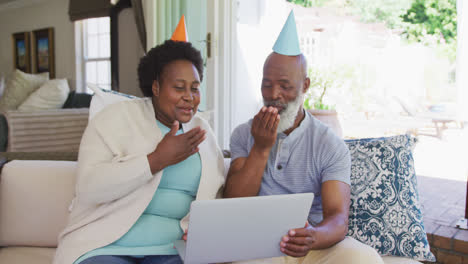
180	33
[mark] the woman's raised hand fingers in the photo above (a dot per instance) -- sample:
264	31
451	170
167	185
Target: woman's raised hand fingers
174	128
197	139
194	150
192	132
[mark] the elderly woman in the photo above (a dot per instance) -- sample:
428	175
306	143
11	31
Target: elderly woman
141	163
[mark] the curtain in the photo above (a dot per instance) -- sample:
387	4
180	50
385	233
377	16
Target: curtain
83	9
168	15
137	6
161	17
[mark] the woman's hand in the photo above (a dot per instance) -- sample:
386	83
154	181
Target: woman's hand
173	149
264	126
298	242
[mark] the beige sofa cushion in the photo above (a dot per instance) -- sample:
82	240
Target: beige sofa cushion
27	255
51	95
399	260
34	200
19	86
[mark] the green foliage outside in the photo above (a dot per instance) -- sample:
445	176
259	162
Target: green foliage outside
308	3
431	22
434	23
387	11
432	17
341	81
321	81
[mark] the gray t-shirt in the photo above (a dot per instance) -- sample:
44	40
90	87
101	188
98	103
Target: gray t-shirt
300	162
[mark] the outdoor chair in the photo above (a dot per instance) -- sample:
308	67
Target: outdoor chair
437	120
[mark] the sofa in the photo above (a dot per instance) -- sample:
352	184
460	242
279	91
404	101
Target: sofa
46	130
38	114
35	196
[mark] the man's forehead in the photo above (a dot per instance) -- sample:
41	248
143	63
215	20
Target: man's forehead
280	69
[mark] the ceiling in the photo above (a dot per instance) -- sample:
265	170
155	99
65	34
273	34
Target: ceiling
6	1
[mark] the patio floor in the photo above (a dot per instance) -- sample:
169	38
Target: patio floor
442	169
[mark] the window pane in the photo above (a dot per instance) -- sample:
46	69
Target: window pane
97	52
103	72
91	72
93	46
104	25
92	26
104	45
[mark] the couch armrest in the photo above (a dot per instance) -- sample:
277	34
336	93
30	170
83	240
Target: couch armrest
46	131
34	200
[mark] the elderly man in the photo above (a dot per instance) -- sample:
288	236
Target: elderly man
285	150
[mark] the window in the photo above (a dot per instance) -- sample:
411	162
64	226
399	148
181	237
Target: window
94	65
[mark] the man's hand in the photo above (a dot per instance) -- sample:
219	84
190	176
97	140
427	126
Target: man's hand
331	230
173	149
264	126
298	242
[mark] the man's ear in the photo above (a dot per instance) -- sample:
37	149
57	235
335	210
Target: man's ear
155	88
306	85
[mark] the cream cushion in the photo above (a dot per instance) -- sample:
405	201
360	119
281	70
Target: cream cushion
58	184
103	98
19	86
51	95
34	200
26	255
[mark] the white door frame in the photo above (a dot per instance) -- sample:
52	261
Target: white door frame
221	24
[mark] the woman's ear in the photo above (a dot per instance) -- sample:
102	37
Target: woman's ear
155	88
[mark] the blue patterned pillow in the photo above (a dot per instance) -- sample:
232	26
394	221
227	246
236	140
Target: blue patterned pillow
385	212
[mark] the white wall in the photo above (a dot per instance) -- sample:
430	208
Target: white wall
130	52
50	13
257	27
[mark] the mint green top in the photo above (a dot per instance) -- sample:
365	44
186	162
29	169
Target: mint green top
158	227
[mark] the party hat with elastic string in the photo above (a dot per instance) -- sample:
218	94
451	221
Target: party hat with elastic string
180	33
288	41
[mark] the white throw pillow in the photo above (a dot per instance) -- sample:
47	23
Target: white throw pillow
51	95
103	98
19	86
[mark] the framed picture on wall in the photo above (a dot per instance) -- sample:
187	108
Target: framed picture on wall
21	51
43	51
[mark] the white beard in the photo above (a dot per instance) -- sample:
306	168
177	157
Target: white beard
289	114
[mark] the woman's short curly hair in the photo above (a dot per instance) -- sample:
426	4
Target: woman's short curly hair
152	64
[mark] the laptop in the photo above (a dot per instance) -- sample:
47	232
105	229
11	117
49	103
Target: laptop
235	229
